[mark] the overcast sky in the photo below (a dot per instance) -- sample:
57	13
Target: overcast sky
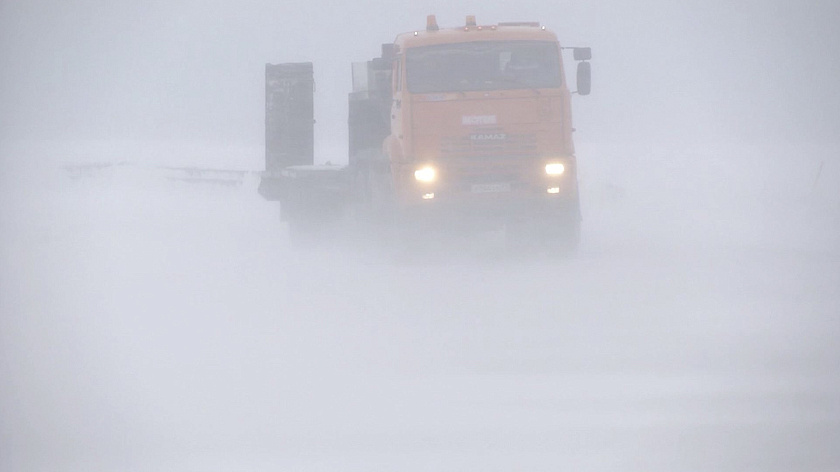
193	70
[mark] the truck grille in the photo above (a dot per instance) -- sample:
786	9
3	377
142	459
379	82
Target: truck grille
489	144
461	174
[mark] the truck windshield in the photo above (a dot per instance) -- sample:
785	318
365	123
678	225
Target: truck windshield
486	65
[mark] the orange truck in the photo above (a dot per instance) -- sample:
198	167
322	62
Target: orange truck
451	128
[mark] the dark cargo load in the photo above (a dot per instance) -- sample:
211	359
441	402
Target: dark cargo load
289	115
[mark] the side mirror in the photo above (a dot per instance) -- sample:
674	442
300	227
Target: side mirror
582	54
584	78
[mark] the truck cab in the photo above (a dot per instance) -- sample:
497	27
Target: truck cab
479	126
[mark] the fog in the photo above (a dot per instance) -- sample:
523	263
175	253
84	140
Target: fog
190	70
150	324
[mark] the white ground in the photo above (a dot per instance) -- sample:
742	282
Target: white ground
150	325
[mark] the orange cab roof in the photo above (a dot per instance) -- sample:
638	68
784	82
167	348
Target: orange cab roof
463	34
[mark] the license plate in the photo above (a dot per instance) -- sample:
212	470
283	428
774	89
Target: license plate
490	188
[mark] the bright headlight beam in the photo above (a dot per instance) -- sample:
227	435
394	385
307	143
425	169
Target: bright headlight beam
555	169
426	174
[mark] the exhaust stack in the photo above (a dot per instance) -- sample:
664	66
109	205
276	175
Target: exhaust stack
431	23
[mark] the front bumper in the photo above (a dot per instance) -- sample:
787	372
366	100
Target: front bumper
491	211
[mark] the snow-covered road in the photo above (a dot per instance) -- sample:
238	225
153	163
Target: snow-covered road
149	325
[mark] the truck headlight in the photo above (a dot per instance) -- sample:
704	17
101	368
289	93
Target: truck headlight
555	168
425	174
